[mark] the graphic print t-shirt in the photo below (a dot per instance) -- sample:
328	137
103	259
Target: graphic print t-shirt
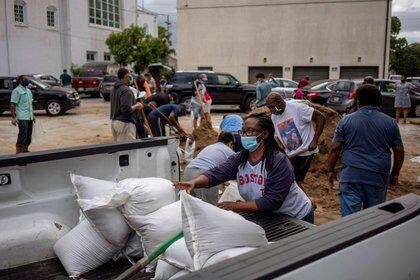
294	128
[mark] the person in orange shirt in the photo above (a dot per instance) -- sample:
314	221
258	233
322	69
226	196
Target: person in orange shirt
143	85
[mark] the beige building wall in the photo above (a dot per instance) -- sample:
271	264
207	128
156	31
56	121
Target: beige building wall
232	35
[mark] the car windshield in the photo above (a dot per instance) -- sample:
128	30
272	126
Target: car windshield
91	74
110	79
319	86
39	83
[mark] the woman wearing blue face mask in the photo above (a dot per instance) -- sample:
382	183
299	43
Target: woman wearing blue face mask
264	175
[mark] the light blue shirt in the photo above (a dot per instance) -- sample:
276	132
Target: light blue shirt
22	98
211	156
262	91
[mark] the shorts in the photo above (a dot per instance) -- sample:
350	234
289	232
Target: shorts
197	110
301	166
207	106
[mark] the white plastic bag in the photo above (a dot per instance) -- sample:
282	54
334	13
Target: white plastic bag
178	255
108	222
157	227
231	193
209	230
83	249
164	271
227	254
37	131
189	150
146	195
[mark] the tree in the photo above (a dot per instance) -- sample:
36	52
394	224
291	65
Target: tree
134	45
402	58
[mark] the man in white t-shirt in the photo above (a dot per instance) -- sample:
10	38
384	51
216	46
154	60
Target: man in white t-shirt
295	132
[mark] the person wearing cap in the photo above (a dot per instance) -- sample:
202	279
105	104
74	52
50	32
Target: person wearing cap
166	114
198	99
263	89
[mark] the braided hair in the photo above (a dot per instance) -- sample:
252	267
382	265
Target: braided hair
270	145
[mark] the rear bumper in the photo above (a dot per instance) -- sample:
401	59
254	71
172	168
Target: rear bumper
342	108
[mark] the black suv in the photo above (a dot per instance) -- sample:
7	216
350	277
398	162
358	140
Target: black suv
224	88
54	100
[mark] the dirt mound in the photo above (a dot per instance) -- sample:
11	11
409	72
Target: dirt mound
204	135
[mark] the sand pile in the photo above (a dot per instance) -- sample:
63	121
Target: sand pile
204	135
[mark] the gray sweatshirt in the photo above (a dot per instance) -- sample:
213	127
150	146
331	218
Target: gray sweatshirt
122	99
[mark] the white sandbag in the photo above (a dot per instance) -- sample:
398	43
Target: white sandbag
157	227
227	254
180	274
133	248
178	255
231	193
83	249
147	195
209	230
164	271
108	222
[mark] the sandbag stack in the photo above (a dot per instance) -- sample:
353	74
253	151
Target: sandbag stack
117	214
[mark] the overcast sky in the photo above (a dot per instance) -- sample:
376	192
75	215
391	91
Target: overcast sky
407	10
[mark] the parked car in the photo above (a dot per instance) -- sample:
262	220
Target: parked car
224	88
343	96
319	91
106	86
285	87
415	81
54	100
387	88
395	77
47	79
91	76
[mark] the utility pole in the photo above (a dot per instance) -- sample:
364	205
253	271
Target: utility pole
168	33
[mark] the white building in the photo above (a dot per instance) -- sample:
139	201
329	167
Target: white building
46	36
290	38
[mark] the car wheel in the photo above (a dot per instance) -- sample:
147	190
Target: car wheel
250	104
417	111
54	108
187	101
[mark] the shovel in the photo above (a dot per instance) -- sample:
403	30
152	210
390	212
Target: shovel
143	262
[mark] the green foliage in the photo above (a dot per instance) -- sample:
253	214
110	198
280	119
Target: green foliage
75	69
404	59
134	45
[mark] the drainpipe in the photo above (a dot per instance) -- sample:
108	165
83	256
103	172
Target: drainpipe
7	38
386	39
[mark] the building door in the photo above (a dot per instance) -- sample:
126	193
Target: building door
253	71
356	72
314	73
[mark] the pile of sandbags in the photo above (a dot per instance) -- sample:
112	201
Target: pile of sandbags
117	214
104	233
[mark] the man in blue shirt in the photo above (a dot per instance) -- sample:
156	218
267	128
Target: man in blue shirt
65	79
22	113
366	138
263	89
166	114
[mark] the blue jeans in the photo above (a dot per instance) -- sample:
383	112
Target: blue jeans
357	196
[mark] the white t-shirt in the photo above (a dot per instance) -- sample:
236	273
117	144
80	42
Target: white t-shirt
295	129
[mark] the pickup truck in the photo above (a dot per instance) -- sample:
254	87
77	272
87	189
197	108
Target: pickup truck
88	82
38	206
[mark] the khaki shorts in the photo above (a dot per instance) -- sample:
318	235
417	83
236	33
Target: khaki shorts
123	131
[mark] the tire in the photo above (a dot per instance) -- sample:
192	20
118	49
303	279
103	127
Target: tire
250	104
106	98
54	108
95	94
417	111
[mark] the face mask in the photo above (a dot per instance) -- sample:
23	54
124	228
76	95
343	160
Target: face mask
250	142
25	83
276	111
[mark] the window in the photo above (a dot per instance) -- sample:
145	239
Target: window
5	84
90	56
107	57
289	84
51	12
20	12
105	12
225	80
